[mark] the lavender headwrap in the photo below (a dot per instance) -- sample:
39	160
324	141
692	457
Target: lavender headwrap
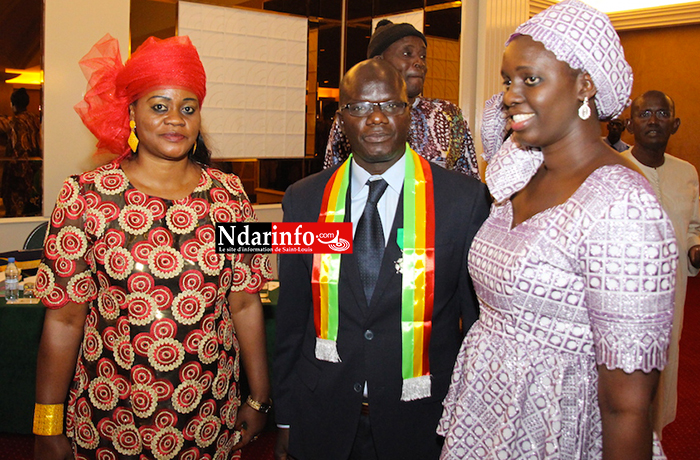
584	38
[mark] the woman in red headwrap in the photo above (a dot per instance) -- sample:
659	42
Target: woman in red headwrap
145	320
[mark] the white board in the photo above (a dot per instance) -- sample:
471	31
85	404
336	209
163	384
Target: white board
256	79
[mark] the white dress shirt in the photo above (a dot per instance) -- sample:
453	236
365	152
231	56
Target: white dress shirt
620	146
359	190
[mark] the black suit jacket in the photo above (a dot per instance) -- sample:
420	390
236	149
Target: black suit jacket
321	400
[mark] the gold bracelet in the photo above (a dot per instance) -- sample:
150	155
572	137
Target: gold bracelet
48	419
258	406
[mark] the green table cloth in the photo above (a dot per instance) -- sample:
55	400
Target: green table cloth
20	331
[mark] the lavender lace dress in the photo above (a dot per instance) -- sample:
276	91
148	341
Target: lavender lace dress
583	283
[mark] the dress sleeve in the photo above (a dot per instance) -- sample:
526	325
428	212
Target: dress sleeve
629	264
338	147
251	276
65	273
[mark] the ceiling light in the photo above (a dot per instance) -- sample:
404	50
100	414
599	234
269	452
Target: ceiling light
25	77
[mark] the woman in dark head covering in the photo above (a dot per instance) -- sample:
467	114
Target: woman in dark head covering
139	332
574	268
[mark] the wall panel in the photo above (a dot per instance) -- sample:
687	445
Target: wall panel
442	81
256	79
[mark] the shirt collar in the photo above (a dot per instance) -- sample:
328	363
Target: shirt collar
393	176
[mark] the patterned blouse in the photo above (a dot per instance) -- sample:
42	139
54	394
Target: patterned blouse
157	374
438	132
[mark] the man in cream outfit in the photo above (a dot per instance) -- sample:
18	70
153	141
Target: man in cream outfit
675	182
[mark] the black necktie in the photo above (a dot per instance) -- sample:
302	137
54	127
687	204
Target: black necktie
369	239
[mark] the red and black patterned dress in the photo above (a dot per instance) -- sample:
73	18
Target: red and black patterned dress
157	374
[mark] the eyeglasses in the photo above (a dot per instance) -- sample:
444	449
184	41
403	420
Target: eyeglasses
362	109
661	114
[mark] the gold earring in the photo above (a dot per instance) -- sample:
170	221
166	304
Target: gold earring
194	149
133	140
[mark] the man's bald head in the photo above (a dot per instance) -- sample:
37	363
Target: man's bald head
369	72
654	94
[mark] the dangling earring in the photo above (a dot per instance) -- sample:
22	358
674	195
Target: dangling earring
194	147
584	112
133	140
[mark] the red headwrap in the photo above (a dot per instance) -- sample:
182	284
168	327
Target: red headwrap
112	86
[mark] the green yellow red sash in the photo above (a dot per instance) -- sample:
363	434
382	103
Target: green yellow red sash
417	266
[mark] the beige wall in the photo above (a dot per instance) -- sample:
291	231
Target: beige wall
665	59
71	28
442	81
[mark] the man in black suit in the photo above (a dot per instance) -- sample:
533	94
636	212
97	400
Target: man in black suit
348	395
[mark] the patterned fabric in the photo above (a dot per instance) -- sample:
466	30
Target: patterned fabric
158	369
585	283
510	169
584	38
438	132
21	180
493	126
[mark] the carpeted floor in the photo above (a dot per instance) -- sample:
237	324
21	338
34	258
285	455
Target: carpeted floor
16	447
680	438
261	449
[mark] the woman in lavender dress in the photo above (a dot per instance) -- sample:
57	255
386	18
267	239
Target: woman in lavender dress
574	269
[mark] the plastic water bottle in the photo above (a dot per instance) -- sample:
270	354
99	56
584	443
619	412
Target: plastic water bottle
11	280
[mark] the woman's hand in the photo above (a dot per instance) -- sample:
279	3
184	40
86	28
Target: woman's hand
250	423
52	448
